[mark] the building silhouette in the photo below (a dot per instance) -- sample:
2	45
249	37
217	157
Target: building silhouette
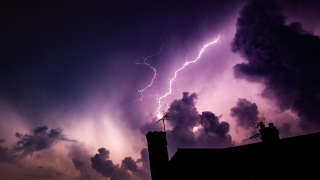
158	154
289	158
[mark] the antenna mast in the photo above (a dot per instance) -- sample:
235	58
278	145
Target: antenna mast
165	117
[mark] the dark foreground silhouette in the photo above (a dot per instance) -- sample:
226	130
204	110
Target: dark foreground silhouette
273	158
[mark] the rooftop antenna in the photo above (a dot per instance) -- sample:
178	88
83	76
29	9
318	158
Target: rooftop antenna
165	117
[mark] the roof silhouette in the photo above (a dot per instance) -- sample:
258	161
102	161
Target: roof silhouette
294	157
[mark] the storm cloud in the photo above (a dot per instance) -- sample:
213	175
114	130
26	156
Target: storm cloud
282	56
81	161
74	67
129	168
214	133
246	113
188	128
141	171
40	139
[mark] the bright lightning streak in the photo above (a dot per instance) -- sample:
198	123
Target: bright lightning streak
186	64
154	70
141	91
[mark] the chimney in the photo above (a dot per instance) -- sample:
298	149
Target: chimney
158	154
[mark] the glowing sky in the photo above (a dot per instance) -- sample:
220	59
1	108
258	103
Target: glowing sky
73	67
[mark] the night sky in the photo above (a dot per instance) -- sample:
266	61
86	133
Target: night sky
71	72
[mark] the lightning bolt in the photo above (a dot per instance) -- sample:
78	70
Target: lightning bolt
154	76
186	64
154	70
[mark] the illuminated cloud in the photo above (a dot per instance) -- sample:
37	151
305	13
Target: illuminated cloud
283	56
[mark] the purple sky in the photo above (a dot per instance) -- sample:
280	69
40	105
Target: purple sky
73	67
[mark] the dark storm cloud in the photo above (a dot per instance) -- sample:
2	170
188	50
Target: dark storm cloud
102	164
183	112
129	164
81	161
284	57
40	139
13	164
183	117
214	132
245	113
142	171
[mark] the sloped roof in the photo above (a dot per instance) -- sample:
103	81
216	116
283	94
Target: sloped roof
294	155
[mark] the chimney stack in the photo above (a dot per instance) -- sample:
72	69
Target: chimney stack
158	154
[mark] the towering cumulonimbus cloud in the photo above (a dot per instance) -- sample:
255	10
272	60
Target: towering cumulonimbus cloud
40	139
246	113
102	164
282	56
184	117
